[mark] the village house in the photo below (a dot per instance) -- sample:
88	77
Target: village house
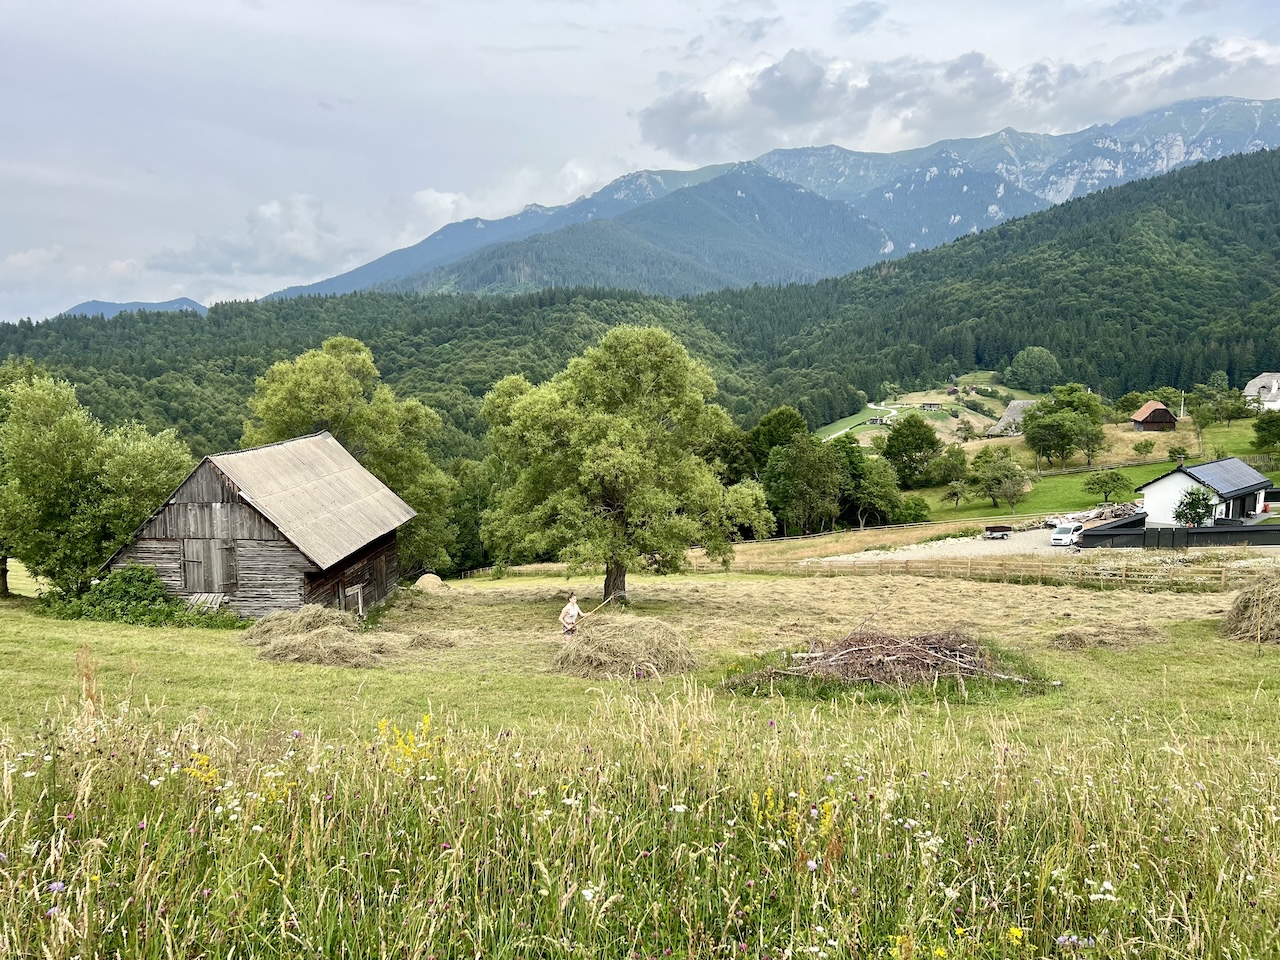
1238	490
1266	389
1154	416
275	527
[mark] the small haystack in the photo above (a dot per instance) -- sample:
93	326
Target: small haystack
870	656
1114	637
430	583
1255	615
317	635
625	648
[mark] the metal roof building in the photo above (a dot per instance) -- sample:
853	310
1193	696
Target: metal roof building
1237	489
275	527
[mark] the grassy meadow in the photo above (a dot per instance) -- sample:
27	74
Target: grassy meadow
165	793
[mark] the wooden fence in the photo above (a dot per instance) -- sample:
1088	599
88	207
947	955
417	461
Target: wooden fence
1110	575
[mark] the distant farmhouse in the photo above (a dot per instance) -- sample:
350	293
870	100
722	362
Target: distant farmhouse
1237	490
1266	387
1010	425
1154	416
273	528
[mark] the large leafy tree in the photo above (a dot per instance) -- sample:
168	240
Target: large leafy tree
1033	368
803	481
775	428
604	466
73	492
911	445
337	388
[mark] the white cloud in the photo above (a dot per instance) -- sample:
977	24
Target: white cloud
281	237
806	97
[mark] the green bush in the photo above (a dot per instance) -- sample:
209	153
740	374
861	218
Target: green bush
132	594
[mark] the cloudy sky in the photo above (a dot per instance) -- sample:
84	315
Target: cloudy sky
223	149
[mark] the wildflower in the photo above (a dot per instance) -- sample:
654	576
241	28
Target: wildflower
939	951
588	894
51	913
1014	935
679	808
57	886
812	865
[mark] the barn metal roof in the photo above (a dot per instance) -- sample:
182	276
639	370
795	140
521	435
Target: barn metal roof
1150	407
317	494
1227	478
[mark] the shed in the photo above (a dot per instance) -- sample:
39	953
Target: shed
275	527
930	406
1154	416
1266	387
1237	489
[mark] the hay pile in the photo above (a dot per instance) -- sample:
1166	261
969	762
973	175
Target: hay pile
318	635
871	656
1114	637
625	648
1255	615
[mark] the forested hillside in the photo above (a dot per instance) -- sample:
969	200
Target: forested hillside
1156	282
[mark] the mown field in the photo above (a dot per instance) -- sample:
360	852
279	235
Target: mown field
166	793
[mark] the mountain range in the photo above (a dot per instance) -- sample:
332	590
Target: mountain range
108	309
797	215
1160	282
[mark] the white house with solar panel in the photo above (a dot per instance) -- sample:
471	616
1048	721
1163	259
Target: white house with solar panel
1237	490
275	527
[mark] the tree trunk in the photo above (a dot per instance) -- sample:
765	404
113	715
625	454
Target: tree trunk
4	575
615	581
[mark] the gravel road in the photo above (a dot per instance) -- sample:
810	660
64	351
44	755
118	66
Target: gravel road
1028	541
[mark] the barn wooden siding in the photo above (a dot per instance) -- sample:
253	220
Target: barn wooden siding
374	568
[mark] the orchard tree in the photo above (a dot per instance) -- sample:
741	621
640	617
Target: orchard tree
73	492
337	388
1266	431
1194	508
995	472
1034	369
1105	483
1143	448
603	467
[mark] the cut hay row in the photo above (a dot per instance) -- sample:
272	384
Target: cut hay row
1106	576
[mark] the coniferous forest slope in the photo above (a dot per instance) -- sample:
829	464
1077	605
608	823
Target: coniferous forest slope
1155	282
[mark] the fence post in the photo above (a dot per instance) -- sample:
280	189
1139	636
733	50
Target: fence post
1224	578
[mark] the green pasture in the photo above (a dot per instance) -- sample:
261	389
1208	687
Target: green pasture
165	793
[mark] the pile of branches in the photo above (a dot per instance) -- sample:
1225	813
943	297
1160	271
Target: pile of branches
871	656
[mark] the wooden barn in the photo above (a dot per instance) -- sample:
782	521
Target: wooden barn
1154	416
273	528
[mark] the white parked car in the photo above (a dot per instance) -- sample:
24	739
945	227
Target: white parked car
1066	535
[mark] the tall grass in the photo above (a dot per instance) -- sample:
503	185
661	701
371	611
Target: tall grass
669	826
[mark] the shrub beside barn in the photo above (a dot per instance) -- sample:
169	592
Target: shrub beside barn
275	527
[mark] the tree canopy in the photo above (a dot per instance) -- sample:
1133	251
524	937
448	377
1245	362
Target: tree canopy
603	464
337	388
73	492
